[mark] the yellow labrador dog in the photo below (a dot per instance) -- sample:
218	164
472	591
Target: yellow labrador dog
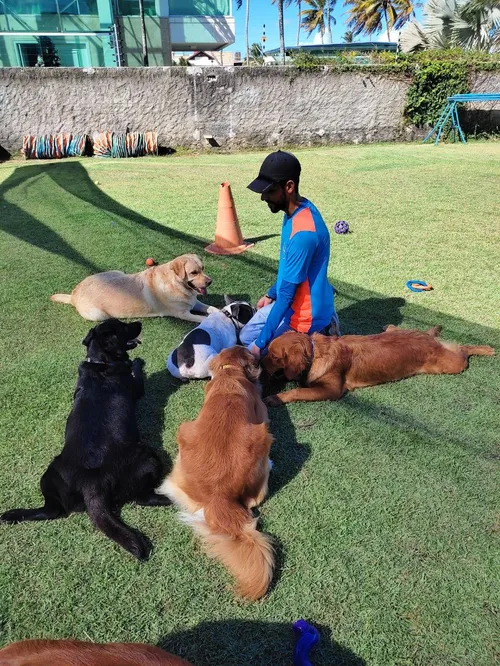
165	290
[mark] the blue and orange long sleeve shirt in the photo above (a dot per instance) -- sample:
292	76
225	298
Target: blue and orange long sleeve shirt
303	296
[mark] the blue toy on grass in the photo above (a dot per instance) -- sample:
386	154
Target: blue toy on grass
341	227
418	285
307	637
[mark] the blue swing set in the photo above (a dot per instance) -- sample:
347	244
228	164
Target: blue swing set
450	112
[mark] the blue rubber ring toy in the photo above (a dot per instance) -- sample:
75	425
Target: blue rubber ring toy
418	285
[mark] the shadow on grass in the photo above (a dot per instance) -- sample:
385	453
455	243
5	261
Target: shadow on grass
370	315
249	643
15	221
288	455
158	388
4	154
360	310
257	239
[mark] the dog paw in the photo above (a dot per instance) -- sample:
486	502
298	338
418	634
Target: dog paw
12	517
273	401
211	309
140	548
138	363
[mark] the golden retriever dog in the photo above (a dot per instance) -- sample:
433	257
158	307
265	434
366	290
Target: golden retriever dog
165	290
79	653
330	366
222	471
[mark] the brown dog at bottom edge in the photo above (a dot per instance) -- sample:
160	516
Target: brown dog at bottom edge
328	367
222	471
79	653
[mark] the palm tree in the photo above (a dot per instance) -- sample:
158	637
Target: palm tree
473	25
477	25
247	21
318	16
145	57
256	53
328	19
281	27
348	37
299	7
369	15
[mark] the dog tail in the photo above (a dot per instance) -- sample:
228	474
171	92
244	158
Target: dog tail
435	331
229	533
478	350
61	298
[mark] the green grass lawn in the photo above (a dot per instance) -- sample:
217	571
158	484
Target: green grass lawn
382	505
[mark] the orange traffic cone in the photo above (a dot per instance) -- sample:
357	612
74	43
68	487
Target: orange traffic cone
228	238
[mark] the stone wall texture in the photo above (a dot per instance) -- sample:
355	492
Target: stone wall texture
197	107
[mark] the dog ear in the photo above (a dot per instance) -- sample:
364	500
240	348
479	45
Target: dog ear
179	267
244	313
211	368
251	367
228	300
86	340
296	357
134	330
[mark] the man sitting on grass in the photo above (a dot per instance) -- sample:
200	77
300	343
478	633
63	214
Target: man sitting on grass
301	299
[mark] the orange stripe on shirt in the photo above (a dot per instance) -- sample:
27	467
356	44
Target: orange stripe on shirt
302	221
301	319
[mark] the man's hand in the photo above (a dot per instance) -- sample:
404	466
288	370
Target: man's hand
265	300
255	351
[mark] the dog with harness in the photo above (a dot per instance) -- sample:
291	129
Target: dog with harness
220	330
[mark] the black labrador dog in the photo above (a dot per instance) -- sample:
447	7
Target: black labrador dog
103	464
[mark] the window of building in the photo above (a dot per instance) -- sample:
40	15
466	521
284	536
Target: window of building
48	52
131	7
29	54
199	7
48	7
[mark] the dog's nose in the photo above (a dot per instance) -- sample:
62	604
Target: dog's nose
209	281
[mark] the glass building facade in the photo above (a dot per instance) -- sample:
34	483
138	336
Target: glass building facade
107	33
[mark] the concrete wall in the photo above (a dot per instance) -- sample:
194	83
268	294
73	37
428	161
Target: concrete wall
484	116
238	107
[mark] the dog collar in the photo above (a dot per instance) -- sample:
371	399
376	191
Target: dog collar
307	370
108	363
228	365
236	324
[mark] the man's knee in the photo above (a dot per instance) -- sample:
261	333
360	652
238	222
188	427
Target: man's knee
250	332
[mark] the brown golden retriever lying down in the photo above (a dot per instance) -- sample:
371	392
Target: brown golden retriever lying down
165	290
331	366
222	471
78	653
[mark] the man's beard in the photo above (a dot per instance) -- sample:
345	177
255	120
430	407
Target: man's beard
276	207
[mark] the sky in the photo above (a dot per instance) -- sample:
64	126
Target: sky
263	12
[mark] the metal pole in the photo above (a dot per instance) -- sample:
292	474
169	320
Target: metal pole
118	52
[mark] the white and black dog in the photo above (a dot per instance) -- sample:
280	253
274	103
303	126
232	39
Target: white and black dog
219	331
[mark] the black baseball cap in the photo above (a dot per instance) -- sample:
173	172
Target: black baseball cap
278	167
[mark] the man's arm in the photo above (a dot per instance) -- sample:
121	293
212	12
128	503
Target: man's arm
300	252
268	298
272	293
283	302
